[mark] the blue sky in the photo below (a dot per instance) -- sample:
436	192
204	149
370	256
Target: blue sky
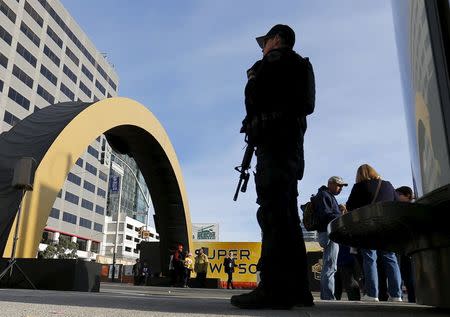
187	61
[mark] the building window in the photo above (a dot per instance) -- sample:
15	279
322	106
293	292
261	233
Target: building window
70	74
36	17
129	226
68	217
21	100
137	240
30	34
85	223
52	56
59	193
71	198
86	90
87	204
66	91
99	210
72	56
102	176
98	227
45	94
54	37
101	192
100	87
92	151
48	74
5	35
81	243
95	246
128	237
127	249
10	118
22	76
79	162
54	213
74	179
87	72
91	169
7	11
89	186
3	61
112	84
26	55
1	85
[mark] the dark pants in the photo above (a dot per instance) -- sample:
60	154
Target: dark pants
283	263
187	276
346	278
382	281
201	279
406	271
230	280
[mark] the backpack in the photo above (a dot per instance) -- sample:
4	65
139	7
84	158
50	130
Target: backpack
310	216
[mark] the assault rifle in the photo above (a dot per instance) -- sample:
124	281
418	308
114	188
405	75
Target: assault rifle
243	169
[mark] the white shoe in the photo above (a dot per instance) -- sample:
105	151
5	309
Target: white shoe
367	298
395	299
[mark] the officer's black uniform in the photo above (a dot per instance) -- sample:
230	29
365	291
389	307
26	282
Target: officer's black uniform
275	124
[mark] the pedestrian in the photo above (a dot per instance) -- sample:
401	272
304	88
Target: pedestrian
405	194
327	209
347	275
279	94
188	268
178	265
229	265
172	270
201	267
146	274
137	271
370	188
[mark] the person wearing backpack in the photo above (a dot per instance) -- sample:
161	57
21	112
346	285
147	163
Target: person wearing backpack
327	209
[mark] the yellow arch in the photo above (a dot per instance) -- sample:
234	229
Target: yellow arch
68	146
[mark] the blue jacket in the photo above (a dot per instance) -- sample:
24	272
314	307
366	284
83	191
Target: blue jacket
326	206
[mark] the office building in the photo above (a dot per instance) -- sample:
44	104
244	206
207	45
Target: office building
46	58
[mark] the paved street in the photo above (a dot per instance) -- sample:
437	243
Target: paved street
126	300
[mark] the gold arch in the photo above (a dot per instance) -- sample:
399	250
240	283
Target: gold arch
122	114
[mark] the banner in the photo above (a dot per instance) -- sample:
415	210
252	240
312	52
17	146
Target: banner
114	183
246	256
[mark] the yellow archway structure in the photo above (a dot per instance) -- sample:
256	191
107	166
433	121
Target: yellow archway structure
133	129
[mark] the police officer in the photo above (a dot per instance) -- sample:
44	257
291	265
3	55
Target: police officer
279	95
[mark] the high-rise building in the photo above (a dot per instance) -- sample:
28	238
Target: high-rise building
46	58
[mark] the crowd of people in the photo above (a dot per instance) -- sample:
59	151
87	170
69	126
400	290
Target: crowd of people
182	264
378	273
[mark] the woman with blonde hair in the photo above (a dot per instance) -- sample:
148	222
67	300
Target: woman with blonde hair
369	189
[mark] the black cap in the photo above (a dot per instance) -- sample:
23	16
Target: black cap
283	31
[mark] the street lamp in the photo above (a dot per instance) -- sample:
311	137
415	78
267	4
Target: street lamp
119	170
113	186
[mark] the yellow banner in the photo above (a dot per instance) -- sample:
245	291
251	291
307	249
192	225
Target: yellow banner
246	255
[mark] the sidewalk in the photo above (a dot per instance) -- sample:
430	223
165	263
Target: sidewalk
136	301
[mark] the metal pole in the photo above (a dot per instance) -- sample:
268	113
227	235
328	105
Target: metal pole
146	199
117	230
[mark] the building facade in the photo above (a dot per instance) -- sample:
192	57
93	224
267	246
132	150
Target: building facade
46	58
